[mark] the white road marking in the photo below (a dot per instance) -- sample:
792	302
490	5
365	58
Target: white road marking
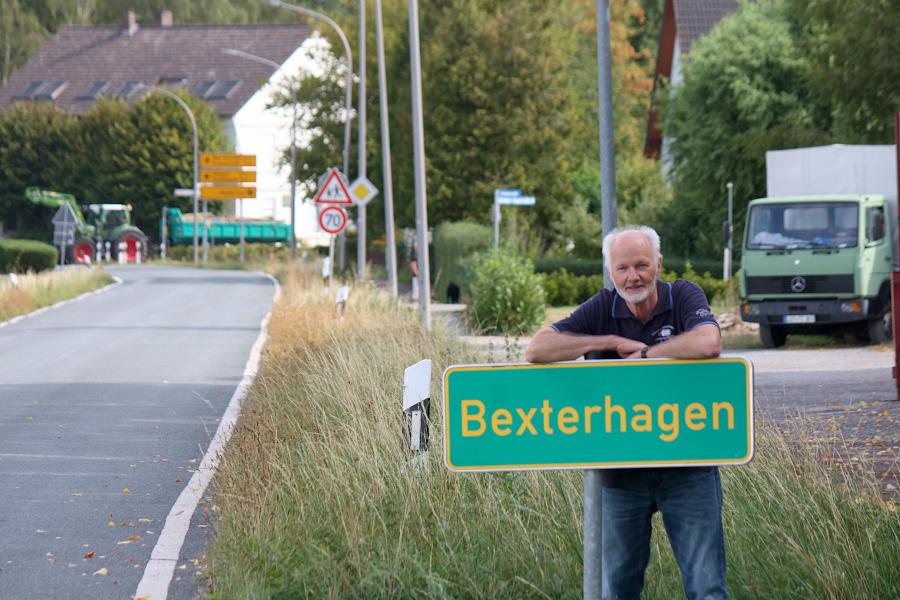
154	584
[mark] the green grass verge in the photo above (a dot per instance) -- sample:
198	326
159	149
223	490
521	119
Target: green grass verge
43	289
316	496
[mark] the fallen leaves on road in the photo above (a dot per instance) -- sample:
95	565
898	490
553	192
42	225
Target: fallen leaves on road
134	538
89	554
102	572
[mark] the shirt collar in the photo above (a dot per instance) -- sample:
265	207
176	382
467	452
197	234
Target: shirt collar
663	302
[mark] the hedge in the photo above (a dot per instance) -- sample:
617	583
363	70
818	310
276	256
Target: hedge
21	256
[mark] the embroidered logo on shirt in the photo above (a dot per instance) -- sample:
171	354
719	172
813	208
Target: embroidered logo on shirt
663	334
703	312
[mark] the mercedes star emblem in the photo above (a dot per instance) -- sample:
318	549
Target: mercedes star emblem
798	284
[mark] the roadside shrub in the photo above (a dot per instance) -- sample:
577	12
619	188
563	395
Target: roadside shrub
454	242
505	295
21	256
562	288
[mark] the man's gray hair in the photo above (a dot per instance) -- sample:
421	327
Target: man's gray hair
648	232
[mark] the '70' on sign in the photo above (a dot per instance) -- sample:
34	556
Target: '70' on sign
332	219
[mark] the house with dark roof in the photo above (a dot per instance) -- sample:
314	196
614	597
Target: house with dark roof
683	22
81	64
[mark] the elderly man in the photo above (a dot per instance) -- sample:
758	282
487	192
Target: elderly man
645	318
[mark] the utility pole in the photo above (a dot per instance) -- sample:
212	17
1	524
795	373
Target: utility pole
391	250
361	107
419	165
593	481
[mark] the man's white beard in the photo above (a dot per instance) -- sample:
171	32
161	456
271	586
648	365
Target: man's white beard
637	297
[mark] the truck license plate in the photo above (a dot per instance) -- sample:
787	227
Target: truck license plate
799	318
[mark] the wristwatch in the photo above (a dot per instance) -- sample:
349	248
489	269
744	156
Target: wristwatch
644	351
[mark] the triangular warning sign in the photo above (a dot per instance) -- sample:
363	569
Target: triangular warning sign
334	190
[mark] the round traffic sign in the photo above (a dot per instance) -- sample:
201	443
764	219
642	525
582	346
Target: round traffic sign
332	219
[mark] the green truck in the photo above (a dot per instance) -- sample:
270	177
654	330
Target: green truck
177	230
97	225
819	250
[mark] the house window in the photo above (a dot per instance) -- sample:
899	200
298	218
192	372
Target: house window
93	90
223	89
175	82
43	90
202	89
128	89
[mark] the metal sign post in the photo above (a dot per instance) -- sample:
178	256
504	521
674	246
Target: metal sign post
64	229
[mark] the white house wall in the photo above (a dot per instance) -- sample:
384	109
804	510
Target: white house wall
265	132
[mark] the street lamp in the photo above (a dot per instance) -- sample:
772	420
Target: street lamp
276	66
196	194
349	59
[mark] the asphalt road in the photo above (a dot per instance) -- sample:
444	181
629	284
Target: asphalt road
107	404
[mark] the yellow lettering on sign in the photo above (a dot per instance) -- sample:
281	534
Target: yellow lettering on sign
614	408
718	407
643	418
547	410
478	416
566	416
500	422
695	410
670	426
638	418
526	421
588	411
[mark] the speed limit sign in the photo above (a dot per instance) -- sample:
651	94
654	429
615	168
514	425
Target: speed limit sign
332	219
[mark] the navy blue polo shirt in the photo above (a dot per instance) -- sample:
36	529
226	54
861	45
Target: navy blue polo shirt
681	306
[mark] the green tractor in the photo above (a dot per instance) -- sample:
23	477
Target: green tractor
97	225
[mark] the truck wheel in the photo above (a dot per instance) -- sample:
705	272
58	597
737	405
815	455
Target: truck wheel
772	336
84	250
881	331
131	239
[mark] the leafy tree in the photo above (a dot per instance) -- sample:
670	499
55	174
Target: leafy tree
852	48
36	149
22	35
740	97
113	153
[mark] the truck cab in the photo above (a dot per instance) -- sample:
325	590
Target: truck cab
817	264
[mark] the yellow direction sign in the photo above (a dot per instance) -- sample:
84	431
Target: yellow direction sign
217	159
225	176
227	192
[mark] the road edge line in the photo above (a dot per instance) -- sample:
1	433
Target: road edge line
38	311
157	576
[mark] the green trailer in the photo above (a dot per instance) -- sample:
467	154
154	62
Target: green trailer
178	230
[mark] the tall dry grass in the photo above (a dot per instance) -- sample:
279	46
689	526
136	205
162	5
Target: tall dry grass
34	291
316	496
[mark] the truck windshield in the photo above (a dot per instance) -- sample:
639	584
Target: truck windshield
803	225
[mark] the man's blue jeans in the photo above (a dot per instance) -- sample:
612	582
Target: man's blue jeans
690	501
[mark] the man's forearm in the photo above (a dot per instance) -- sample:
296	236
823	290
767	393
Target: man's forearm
551	346
703	342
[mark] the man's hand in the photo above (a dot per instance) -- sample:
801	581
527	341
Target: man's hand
548	345
629	348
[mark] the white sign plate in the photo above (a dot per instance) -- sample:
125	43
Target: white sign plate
332	219
362	191
333	190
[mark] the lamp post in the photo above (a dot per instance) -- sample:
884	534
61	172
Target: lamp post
419	164
276	66
196	194
361	167
386	155
348	58
348	85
